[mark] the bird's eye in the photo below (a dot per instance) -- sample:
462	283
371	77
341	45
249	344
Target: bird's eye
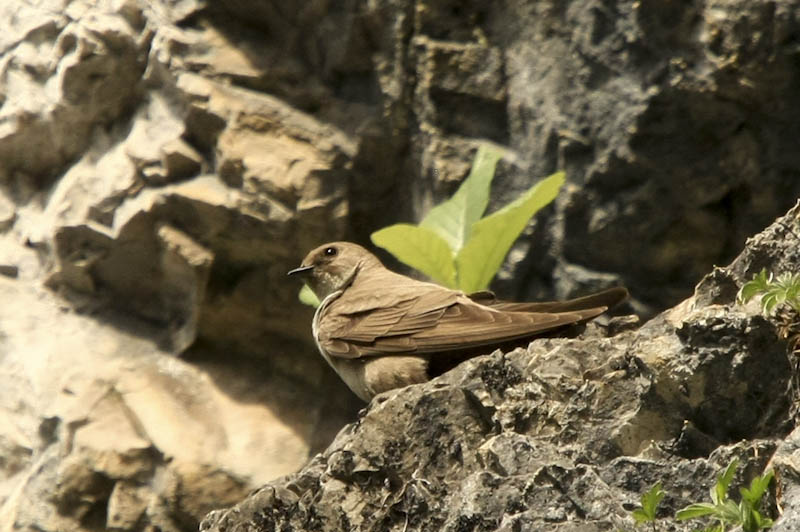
330	252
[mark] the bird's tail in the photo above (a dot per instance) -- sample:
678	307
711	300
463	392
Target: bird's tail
606	298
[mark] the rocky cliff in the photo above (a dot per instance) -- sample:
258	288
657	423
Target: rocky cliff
164	163
567	434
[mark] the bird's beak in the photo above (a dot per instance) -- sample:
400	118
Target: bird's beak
301	271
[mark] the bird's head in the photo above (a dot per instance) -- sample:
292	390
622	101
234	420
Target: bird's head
333	266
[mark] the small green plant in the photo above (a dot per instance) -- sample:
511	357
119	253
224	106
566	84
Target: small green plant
780	297
728	513
775	292
454	245
650	500
722	509
457	247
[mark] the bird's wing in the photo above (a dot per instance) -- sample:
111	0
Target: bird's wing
606	298
350	326
434	320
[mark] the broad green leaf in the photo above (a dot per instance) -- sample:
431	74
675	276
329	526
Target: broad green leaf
308	297
420	248
493	236
692	511
453	219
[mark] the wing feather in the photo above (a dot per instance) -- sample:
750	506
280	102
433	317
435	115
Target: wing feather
608	298
434	323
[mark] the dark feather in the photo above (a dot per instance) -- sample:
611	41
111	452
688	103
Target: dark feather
608	298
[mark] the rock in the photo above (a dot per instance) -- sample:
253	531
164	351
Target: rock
163	164
127	505
9	270
186	266
180	160
125	434
784	461
8	213
62	78
564	435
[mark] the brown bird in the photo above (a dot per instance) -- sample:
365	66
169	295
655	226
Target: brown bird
380	330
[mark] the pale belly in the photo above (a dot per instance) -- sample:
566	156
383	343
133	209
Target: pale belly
367	377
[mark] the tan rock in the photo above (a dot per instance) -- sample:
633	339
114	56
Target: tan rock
186	266
8	213
180	160
122	415
127	505
78	75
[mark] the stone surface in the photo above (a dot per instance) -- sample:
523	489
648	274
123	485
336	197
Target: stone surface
164	163
564	435
113	430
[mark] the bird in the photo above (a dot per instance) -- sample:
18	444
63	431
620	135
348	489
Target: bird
381	330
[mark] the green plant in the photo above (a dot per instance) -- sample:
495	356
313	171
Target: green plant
646	513
780	296
781	290
725	511
454	245
308	297
457	247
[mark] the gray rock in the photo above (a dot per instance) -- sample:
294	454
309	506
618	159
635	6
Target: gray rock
564	435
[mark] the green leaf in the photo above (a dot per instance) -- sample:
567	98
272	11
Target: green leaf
790	283
785	289
420	248
768	302
641	516
778	293
749	518
649	502
719	494
792	287
453	219
758	486
308	297
757	285
763	523
729	512
698	509
493	236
